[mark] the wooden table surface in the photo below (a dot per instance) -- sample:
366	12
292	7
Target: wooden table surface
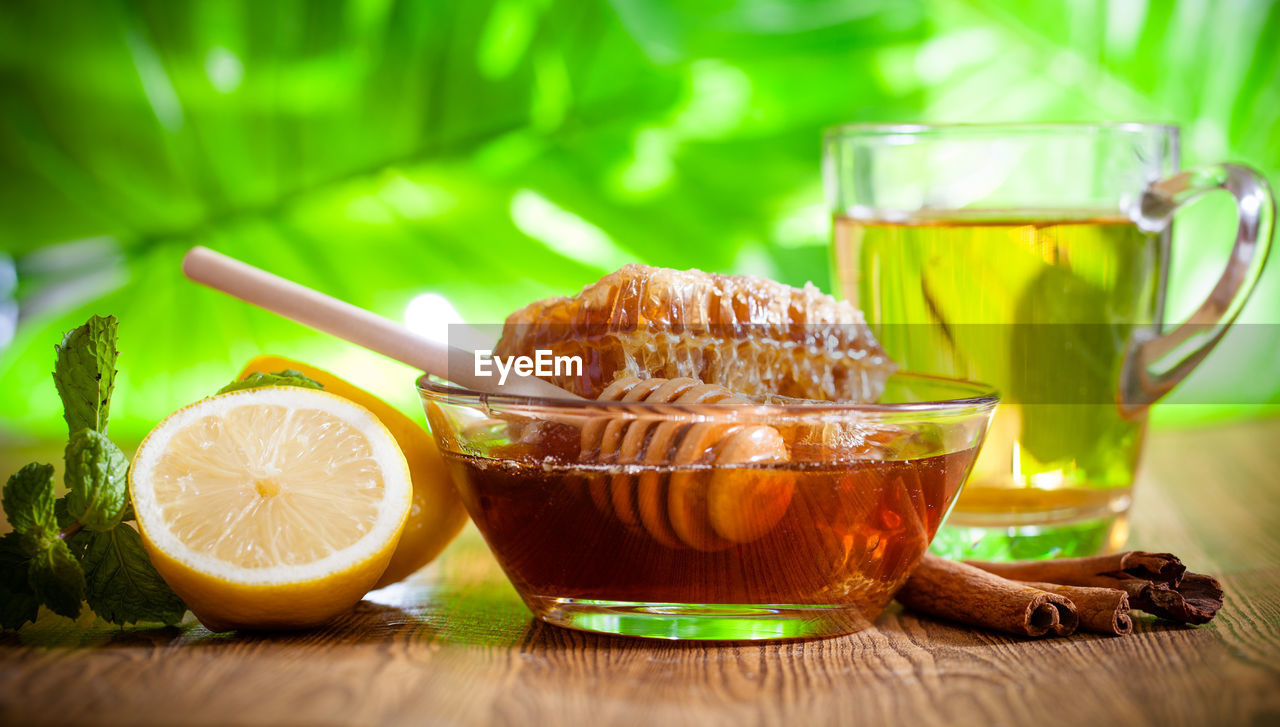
456	646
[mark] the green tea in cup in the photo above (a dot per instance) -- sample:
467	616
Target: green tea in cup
1034	258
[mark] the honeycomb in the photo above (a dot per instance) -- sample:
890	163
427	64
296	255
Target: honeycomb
754	336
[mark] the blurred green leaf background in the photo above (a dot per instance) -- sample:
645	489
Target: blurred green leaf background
497	152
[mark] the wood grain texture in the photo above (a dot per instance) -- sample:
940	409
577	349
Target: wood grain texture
456	646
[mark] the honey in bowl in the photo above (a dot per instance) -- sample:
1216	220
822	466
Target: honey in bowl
842	544
730	478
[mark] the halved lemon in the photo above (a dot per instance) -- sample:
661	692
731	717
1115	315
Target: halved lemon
270	508
437	515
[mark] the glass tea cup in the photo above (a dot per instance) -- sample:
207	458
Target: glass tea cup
673	541
1034	257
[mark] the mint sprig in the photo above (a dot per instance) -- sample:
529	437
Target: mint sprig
79	547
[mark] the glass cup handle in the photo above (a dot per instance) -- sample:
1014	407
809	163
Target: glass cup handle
1140	385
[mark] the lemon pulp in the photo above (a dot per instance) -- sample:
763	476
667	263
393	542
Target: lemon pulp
256	487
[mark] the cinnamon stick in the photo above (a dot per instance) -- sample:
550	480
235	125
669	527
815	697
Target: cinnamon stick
1101	610
959	592
1157	583
1100	571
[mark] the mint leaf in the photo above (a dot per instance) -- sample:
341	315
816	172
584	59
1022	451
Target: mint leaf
95	476
56	578
288	377
121	585
28	503
18	603
85	373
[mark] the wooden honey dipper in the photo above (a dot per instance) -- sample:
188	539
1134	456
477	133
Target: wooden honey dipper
676	502
707	511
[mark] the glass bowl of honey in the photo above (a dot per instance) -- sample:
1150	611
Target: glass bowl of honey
693	514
